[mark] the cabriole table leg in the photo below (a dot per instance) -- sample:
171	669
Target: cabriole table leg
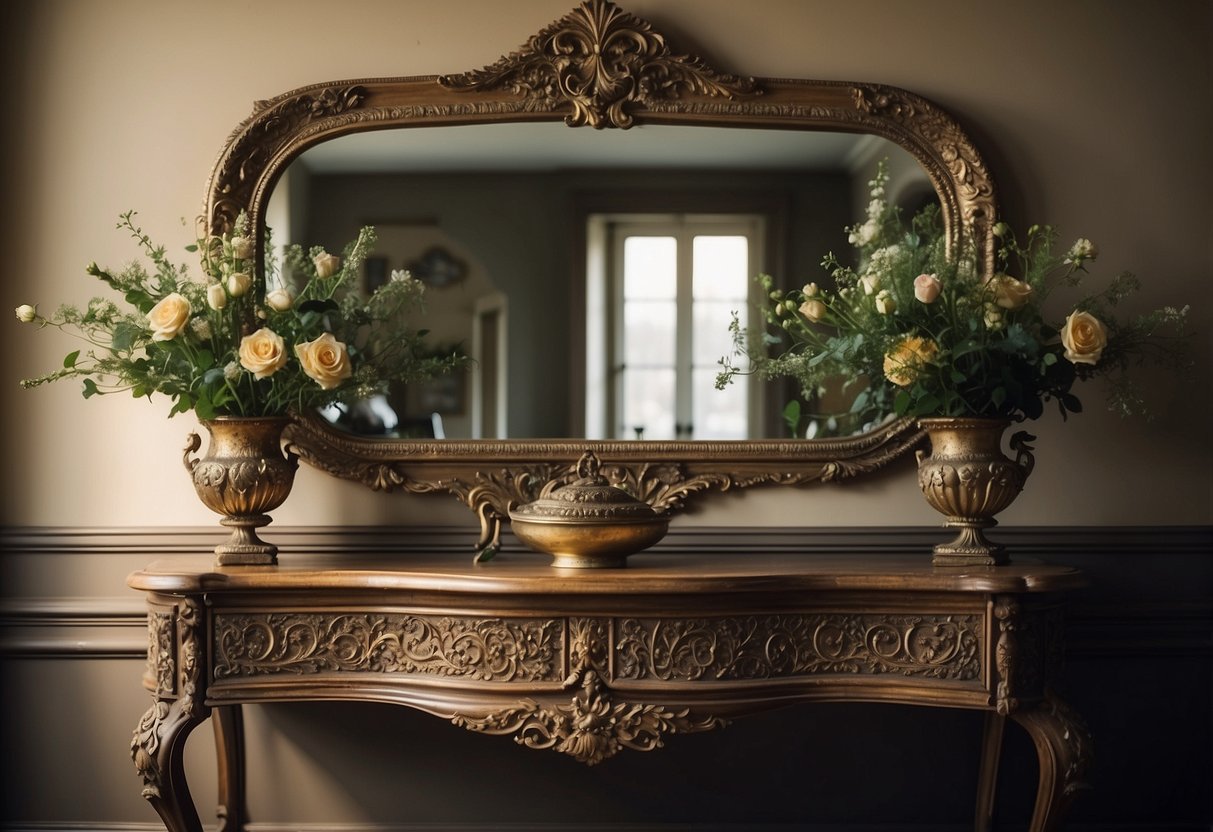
1063	746
157	749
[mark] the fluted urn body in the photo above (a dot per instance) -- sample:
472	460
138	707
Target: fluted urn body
245	474
967	478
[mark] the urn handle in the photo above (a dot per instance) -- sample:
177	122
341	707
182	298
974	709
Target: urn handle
192	443
1023	451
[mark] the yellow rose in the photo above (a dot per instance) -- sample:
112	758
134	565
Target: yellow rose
903	362
814	310
168	317
263	353
1009	293
1084	338
326	360
885	304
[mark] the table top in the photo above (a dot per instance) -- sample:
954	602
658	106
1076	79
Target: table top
646	573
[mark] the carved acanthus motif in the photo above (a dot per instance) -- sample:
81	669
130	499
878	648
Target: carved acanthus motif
1006	654
1076	740
190	616
145	747
492	649
589	648
272	125
161	652
971	182
593	726
601	61
782	646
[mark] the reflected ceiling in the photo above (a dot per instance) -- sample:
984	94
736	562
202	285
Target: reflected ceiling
540	147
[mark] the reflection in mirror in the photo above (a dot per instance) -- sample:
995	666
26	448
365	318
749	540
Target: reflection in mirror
592	276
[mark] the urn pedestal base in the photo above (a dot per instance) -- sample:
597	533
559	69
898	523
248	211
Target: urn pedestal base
244	474
967	479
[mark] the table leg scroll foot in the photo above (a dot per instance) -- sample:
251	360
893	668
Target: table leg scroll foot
1063	746
157	750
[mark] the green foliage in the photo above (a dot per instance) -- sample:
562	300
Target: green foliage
183	338
927	332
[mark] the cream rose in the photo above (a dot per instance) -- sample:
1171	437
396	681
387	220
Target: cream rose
326	264
216	296
281	299
1008	292
885	304
263	353
903	363
870	283
169	316
27	314
325	360
238	283
926	288
1084	338
810	290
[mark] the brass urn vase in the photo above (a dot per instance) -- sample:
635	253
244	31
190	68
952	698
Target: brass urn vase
244	474
967	478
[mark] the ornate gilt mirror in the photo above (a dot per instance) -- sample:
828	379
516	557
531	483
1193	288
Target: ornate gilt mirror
598	86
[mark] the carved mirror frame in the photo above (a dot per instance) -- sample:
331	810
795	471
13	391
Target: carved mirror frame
604	68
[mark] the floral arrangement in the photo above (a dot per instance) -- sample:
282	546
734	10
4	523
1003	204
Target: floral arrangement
224	346
916	330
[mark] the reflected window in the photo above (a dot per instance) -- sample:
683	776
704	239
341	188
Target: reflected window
675	283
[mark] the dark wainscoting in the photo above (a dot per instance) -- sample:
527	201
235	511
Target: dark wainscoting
1139	669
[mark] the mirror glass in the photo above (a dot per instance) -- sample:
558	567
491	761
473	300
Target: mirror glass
591	275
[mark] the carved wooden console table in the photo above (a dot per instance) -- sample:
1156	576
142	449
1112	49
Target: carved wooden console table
592	662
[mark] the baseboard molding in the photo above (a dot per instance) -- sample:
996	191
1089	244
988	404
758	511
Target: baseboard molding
582	827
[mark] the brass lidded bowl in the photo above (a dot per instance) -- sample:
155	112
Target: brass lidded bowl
588	523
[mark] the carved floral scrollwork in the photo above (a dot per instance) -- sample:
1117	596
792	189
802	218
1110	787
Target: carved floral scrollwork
161	652
593	726
782	646
973	186
145	747
492	649
602	61
190	616
273	124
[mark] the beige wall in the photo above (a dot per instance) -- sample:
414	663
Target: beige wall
1094	115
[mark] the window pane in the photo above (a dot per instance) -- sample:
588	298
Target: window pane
721	268
648	404
719	414
650	267
710	336
649	328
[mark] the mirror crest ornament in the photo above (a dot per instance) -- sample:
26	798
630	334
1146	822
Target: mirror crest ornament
602	67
